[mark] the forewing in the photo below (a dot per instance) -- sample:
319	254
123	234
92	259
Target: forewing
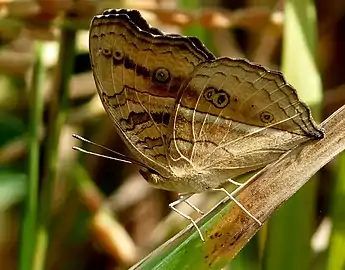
126	53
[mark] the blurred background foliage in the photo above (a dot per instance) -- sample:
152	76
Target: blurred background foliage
85	212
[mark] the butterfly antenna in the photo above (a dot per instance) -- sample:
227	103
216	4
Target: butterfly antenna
123	158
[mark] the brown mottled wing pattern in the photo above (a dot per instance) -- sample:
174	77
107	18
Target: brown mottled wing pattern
233	116
126	54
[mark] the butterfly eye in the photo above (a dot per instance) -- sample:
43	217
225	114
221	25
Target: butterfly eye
266	117
161	75
208	93
221	99
118	55
106	52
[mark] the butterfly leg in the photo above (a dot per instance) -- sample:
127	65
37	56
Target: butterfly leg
184	198
238	204
235	183
196	209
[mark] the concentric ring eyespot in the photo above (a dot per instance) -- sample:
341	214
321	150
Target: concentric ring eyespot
221	99
161	75
107	52
208	93
266	117
118	55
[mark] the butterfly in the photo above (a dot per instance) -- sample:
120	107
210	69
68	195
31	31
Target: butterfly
193	120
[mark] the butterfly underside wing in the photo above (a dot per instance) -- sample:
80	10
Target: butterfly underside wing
193	120
233	117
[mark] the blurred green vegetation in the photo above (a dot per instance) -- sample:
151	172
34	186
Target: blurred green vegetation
64	210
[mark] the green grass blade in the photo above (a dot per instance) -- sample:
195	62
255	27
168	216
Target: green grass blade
248	258
336	258
35	123
58	113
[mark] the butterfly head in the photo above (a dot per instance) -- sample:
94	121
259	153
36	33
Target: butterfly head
153	177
